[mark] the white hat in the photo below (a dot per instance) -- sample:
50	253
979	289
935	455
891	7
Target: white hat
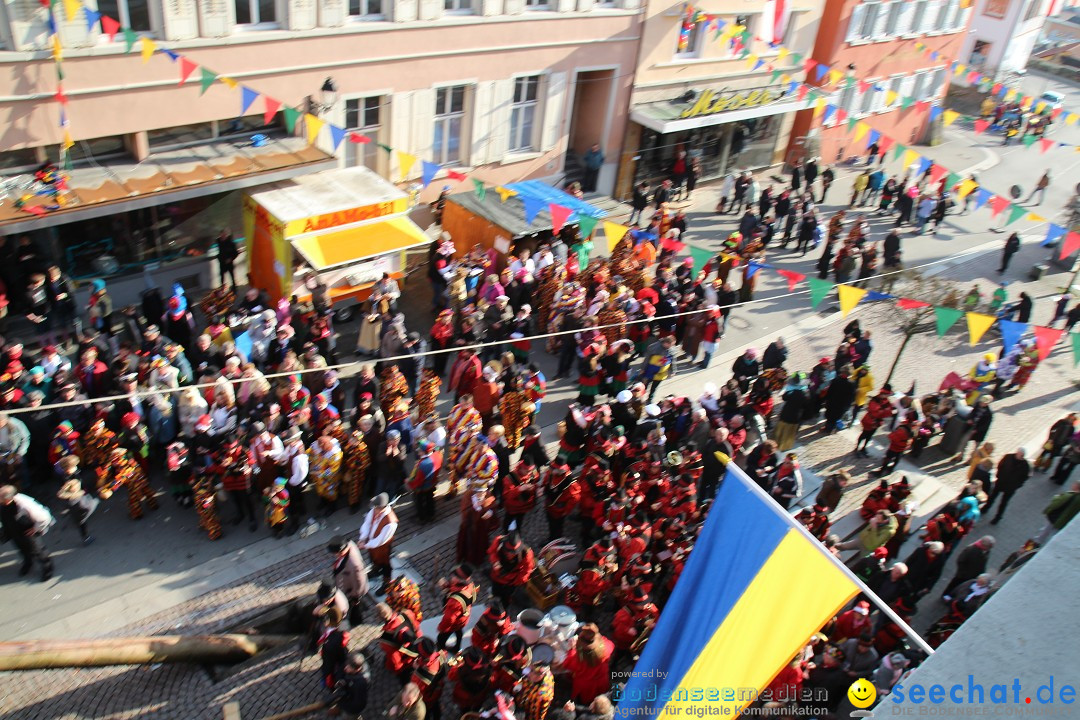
652	410
624	396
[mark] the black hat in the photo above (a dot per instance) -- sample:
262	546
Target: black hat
336	544
325	591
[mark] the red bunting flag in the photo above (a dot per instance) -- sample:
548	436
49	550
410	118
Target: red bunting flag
841	115
355	137
1069	245
922	106
34	210
559	214
809	64
455	175
1055	113
909	304
793	278
1045	340
272	106
996	89
972	76
998	205
884	144
863	86
936	173
109	26
980	126
186	68
1045	144
801	92
61	97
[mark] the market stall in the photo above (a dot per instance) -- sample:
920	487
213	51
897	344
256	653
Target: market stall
493	222
349	226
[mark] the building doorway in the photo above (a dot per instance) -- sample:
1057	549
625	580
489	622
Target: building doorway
589	115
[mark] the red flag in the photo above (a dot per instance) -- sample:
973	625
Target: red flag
1045	144
61	97
998	205
272	106
455	175
884	144
34	210
922	106
841	115
1055	113
793	278
559	214
672	245
186	68
109	26
909	304
863	86
996	89
971	76
980	126
1069	245
356	137
801	92
809	64
1045	340
936	172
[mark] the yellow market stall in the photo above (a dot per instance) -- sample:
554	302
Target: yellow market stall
349	226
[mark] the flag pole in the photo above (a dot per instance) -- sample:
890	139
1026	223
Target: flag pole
881	605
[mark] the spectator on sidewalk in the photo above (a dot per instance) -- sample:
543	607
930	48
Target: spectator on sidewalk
1012	246
1012	472
1040	188
970	563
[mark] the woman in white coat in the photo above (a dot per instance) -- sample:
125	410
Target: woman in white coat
727	190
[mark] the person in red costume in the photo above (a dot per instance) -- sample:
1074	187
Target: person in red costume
399	634
460	596
589	664
512	563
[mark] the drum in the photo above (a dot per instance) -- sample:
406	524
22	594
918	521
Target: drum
543	653
562	622
528	625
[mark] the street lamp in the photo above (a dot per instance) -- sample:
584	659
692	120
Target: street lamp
328	95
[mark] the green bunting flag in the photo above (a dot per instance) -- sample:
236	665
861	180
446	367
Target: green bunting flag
1015	213
587	224
946	317
776	74
1076	347
479	189
1029	140
907	102
852	121
952	180
795	58
700	256
130	38
898	151
818	290
209	77
291	116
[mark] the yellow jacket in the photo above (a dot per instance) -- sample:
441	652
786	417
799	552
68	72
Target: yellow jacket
864	388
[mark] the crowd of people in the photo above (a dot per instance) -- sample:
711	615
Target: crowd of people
244	422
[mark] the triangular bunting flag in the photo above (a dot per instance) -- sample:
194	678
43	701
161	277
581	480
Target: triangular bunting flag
981	125
68	141
793	278
130	38
271	108
906	102
533	206
910	156
851	123
291	116
950	117
405	163
752	267
1015	213
359	138
614	233
925	164
935	111
874	296
428	172
148	48
946	317
586	224
1045	340
818	290
313	125
801	93
337	136
386	148
890	97
559	216
910	304
998	205
849	297
952	180
982	196
228	82
829	110
479	189
1052	234
504	193
835	76
1035	217
809	64
247	97
841	115
1045	144
92	18
936	173
860	130
1028	140
884	144
872	138
966	187
1011	332
186	68
208	78
1076	347
898	151
819	72
701	258
455	175
978	324
1070	245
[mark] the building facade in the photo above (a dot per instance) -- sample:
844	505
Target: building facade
694	92
500	89
1002	36
874	44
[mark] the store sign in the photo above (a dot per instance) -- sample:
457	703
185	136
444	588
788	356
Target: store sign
347	217
710	102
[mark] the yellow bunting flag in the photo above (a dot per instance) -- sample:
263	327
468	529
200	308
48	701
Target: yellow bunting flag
849	297
57	48
1025	103
819	106
861	129
1011	94
405	163
313	125
965	3
781	54
505	193
910	156
978	324
890	97
1036	218
919	46
148	48
960	69
1071	118
1039	108
614	232
68	142
229	81
966	188
835	76
751	59
71	10
950	117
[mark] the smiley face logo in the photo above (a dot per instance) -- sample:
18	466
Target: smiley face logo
862	693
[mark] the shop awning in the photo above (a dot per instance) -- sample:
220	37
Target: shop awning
327	250
666	117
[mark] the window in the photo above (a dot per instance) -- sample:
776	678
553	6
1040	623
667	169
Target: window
134	14
942	18
892	24
919	90
920	15
895	85
365	9
457	6
537	5
736	44
256	12
956	15
449	118
362	115
247	124
1034	9
24	158
937	84
996	8
869	20
866	102
847	99
979	54
84	152
689	41
180	135
523	114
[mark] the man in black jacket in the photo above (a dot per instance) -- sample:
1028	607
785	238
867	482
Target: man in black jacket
1012	472
970	564
714	459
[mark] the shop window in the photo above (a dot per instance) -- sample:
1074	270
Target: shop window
134	14
256	12
523	114
248	124
362	115
449	124
537	5
365	9
18	159
180	135
87	152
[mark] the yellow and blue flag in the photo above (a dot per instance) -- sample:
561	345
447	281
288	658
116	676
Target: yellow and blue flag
754	590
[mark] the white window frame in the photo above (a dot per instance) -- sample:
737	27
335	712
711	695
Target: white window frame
845	100
458	7
693	47
941	21
1033	10
538	5
253	10
866	102
372	131
855	23
364	15
938	79
443	122
519	144
921	7
919	87
869	20
125	16
896	9
896	84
